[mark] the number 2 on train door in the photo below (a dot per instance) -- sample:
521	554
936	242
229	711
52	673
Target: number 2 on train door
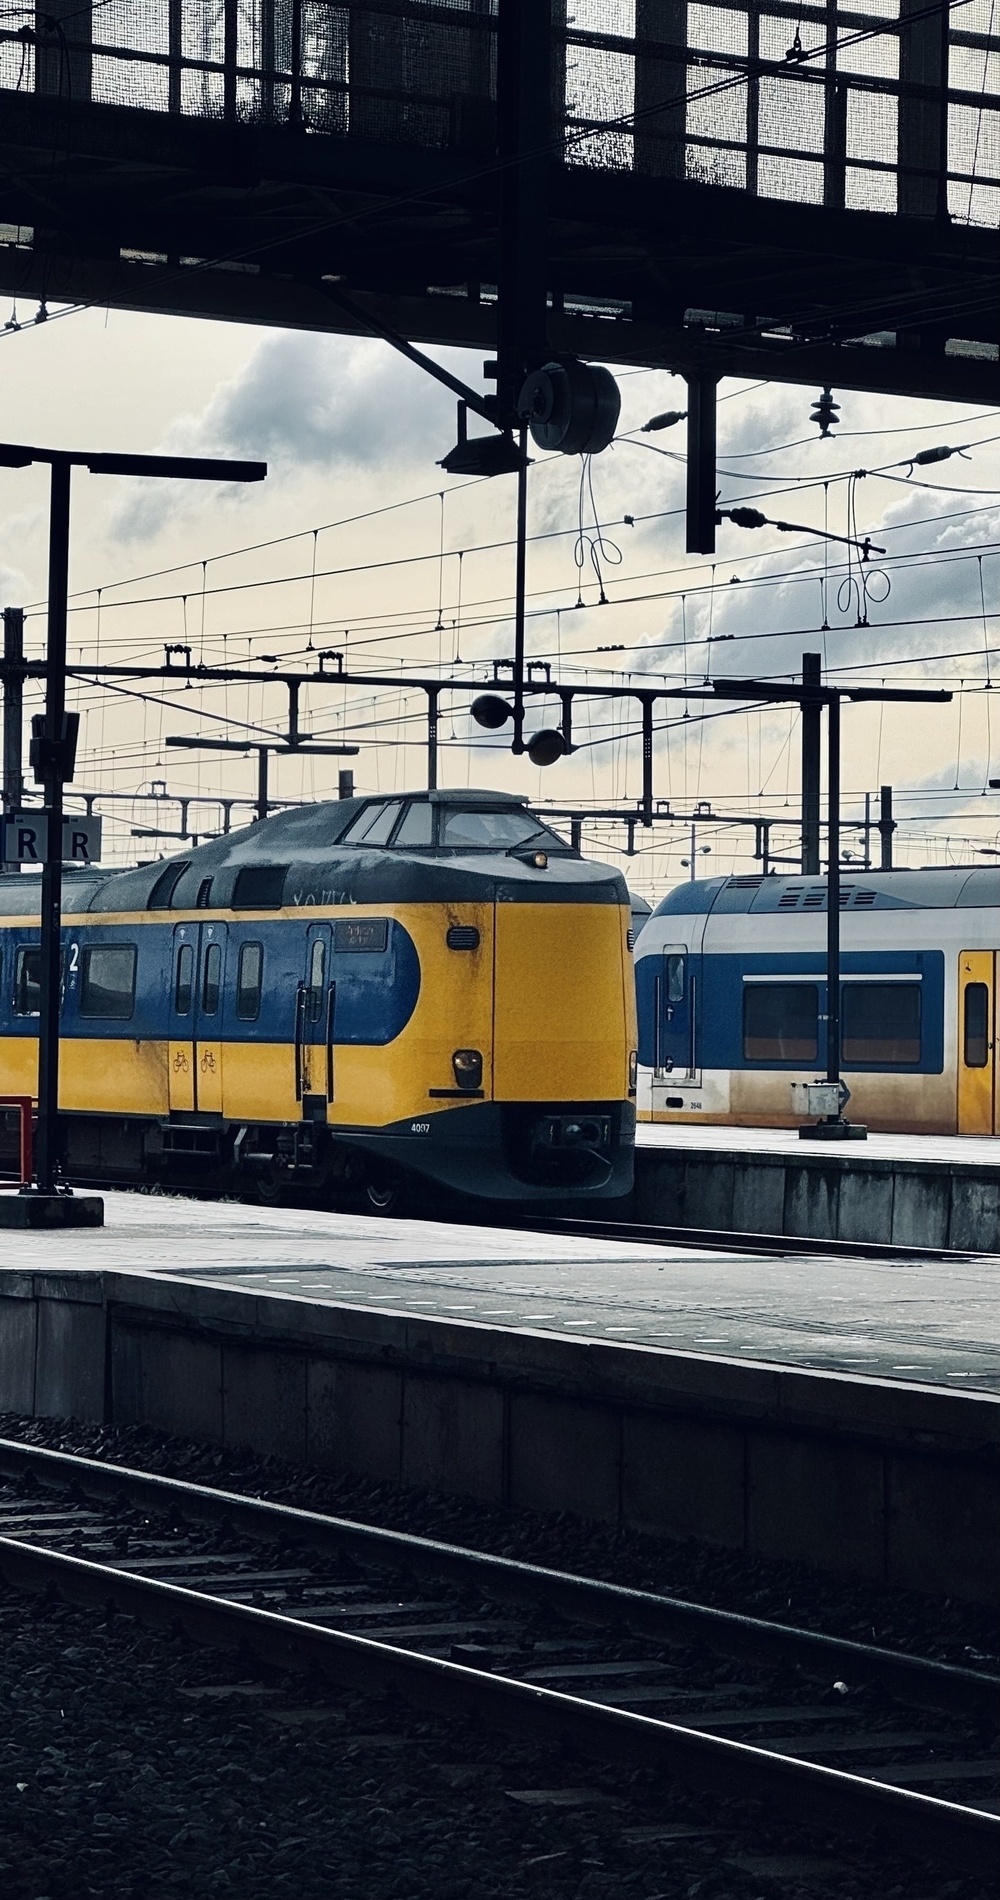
978	1081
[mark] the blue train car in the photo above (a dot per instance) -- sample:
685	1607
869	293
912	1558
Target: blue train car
732	999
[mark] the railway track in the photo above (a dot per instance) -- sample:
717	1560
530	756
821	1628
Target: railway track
849	1737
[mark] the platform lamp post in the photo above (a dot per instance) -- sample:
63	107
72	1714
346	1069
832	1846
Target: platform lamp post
44	1203
830	1096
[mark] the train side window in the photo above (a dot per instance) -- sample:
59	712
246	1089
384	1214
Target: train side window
675	979
107	980
27	983
317	971
211	979
880	1022
373	824
975	1025
378	833
184	980
417	827
780	1022
249	982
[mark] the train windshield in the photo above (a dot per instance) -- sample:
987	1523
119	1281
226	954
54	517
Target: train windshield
477	830
428	827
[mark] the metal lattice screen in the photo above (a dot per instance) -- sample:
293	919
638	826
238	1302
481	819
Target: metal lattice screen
893	107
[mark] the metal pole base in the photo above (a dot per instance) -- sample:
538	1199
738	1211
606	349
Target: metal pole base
29	1208
834	1128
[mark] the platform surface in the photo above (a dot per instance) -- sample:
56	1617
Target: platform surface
930	1151
924	1321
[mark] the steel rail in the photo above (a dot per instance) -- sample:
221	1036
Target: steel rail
959	1835
913	1679
921	1824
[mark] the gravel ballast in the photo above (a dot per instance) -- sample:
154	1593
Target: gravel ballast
949	1631
135	1763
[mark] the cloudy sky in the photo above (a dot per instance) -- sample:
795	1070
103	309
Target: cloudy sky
357	542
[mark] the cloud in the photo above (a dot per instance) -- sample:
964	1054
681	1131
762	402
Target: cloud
14	586
324	403
304	404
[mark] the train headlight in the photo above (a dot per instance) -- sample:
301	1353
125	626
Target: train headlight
468	1068
633	1070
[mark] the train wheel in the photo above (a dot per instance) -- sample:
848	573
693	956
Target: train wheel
270	1187
384	1194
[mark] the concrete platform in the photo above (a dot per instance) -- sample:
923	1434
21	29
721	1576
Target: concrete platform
838	1411
925	1322
908	1190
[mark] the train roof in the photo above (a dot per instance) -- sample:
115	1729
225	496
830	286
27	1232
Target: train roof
420	846
958	887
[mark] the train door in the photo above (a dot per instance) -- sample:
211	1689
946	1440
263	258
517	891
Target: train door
673	1015
978	1080
182	1093
208	1044
194	1049
314	1012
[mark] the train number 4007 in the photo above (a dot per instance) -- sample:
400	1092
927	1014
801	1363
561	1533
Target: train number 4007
420	1128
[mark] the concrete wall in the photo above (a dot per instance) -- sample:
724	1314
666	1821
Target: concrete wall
822	1196
892	1482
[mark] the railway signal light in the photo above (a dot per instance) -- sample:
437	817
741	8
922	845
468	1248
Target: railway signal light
48	755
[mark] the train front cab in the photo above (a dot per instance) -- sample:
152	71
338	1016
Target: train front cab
511	1078
483	1045
978	1069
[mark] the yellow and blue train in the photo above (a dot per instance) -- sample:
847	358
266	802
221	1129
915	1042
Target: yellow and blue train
345	997
731	982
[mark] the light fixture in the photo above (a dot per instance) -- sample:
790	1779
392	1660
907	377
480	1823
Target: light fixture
483	455
490	711
571	406
467	1065
546	747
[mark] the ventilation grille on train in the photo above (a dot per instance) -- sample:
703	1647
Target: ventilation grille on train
814	898
744	883
462	937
